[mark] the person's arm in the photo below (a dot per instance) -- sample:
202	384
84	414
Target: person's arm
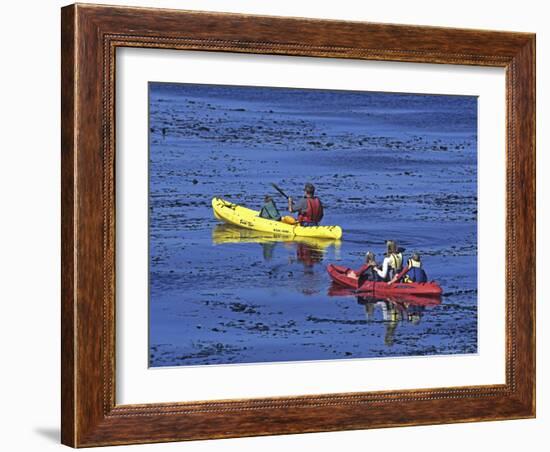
357	273
382	273
299	207
362	270
399	275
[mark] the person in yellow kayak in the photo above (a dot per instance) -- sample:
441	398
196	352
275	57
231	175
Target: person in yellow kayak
269	209
309	208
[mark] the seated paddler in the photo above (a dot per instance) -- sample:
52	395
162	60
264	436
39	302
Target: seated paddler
368	271
392	263
309	208
413	272
269	209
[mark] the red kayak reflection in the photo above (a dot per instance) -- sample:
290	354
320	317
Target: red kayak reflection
393	309
337	290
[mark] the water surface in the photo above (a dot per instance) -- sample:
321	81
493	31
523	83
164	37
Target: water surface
386	166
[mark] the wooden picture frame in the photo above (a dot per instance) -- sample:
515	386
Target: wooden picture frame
90	36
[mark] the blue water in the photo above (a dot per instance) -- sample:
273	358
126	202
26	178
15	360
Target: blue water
386	166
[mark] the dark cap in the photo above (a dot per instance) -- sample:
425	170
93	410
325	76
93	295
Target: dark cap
309	188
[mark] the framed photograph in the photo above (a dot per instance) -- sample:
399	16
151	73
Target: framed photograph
281	225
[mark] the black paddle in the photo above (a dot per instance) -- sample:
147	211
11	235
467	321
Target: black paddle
279	190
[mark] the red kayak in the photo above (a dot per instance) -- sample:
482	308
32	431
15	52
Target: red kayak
339	275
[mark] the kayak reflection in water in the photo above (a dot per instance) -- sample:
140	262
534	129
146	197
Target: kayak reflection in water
393	312
308	255
267	250
308	250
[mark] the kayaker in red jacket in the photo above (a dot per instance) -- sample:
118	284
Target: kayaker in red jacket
309	208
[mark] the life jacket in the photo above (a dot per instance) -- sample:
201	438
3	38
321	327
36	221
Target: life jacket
314	211
395	265
415	275
412	263
367	273
396	261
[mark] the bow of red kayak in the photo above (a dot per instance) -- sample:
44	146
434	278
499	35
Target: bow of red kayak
339	275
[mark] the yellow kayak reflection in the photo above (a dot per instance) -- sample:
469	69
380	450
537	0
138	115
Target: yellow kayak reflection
309	250
227	233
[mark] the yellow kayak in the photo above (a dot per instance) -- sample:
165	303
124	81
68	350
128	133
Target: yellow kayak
249	219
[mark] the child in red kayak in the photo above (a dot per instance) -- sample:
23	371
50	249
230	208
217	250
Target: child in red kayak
412	273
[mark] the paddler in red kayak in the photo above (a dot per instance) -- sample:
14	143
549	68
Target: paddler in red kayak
368	271
413	272
309	208
391	266
393	262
